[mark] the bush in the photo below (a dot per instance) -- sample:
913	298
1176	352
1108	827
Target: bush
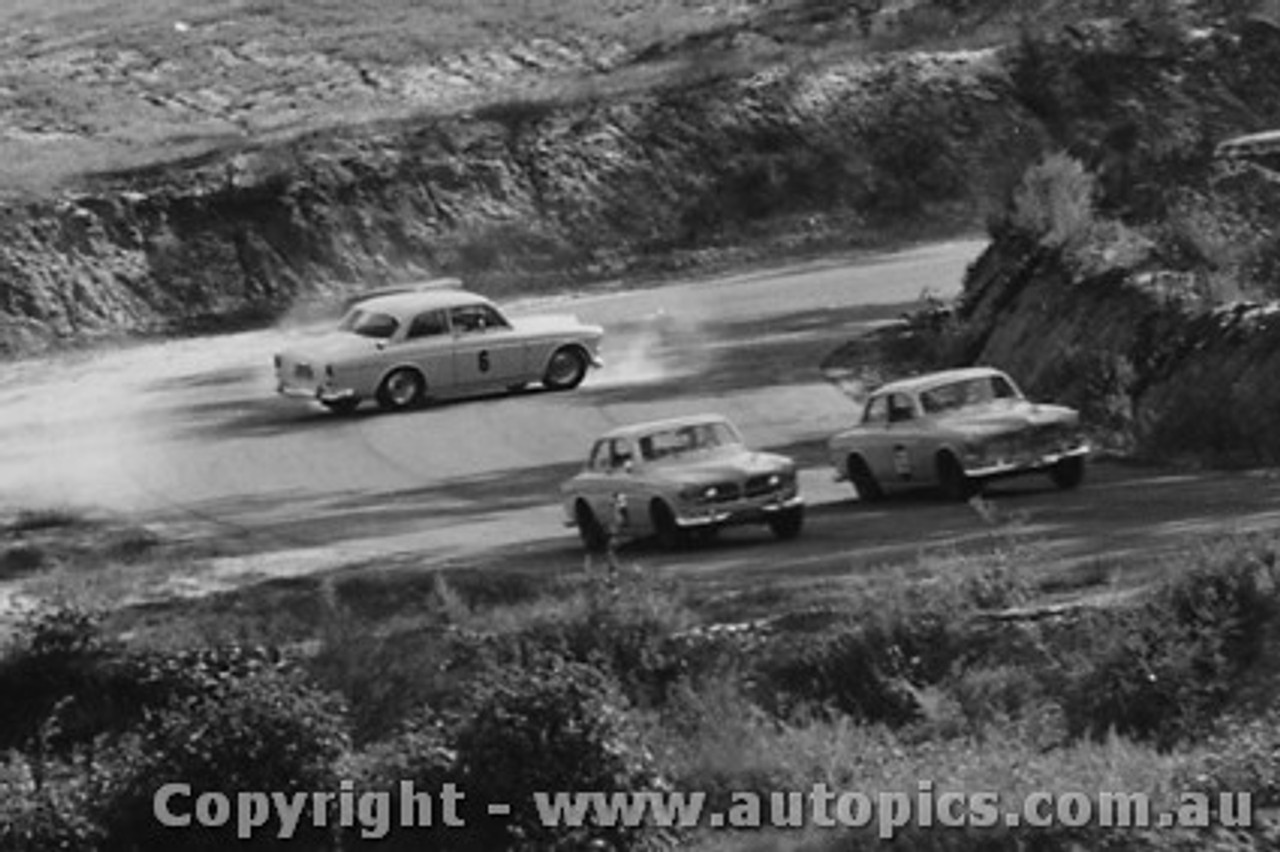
418	754
1163	670
60	664
1055	202
872	665
550	726
35	817
269	731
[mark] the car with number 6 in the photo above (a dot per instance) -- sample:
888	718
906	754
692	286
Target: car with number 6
956	430
677	477
401	349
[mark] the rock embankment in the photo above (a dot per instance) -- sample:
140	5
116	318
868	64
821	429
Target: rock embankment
518	195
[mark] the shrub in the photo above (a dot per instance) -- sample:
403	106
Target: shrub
1243	756
269	731
553	725
1055	202
35	817
418	754
873	664
1163	670
60	663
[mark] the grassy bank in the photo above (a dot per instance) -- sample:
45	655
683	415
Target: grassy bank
949	673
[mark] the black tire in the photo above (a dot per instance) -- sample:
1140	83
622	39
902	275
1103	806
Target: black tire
955	483
342	406
863	480
566	369
593	534
788	523
403	388
669	534
1068	473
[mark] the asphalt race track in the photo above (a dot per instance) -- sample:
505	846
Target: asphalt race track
190	434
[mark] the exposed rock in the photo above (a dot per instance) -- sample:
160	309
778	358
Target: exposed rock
513	197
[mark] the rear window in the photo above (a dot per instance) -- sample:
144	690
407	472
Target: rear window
370	324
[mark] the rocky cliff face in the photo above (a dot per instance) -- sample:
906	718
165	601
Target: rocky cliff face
516	196
1156	318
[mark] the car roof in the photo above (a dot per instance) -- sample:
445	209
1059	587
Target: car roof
403	304
916	384
634	430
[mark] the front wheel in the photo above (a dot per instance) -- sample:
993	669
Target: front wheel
956	484
566	369
1068	473
788	523
593	534
402	388
863	480
669	533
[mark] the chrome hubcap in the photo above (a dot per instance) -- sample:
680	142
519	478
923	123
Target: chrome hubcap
564	367
402	387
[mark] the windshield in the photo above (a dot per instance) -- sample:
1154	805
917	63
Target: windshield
962	394
369	324
694	438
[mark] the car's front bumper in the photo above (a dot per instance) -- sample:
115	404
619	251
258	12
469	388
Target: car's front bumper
752	512
1023	463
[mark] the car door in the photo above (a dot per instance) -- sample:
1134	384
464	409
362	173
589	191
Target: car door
428	344
487	351
904	442
608	475
874	447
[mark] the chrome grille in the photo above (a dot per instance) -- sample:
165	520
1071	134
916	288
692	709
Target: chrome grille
727	492
303	372
760	485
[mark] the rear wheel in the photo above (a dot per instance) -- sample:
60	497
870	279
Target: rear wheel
342	406
668	532
566	369
403	388
863	480
788	523
1068	473
594	537
955	483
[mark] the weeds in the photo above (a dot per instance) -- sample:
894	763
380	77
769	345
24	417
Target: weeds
617	679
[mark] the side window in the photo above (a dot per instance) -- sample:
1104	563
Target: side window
619	453
493	319
900	408
429	324
877	410
469	319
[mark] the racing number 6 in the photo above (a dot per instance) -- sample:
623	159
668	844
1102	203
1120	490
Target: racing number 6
484	360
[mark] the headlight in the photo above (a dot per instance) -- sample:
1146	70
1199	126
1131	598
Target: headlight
700	493
782	479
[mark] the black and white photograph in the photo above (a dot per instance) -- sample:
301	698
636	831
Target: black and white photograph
640	425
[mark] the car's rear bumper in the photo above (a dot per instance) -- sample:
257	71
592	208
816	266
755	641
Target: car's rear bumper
755	512
1023	464
321	393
